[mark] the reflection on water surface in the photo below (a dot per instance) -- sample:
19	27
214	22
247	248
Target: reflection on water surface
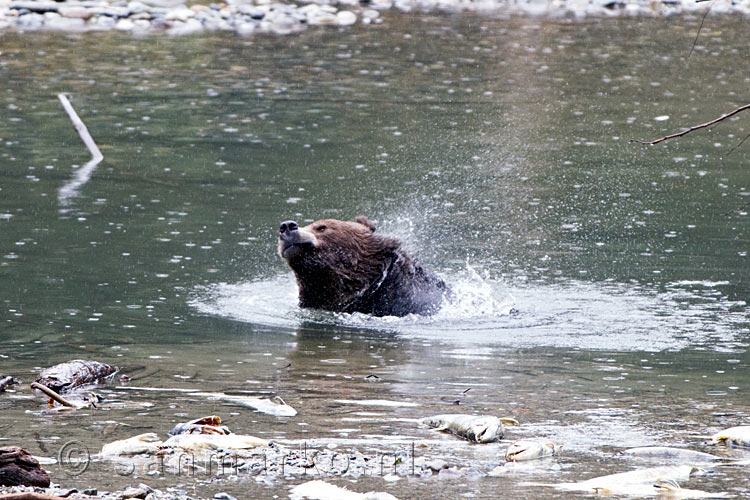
603	285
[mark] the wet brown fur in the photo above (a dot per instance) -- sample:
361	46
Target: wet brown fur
344	266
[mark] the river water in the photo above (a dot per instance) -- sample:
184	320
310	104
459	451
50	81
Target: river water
601	286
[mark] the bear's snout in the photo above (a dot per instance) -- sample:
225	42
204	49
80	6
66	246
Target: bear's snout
292	239
289	225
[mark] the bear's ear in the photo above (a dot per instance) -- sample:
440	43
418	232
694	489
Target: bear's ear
365	222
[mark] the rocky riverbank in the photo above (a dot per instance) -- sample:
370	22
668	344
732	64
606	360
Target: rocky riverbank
245	17
142	491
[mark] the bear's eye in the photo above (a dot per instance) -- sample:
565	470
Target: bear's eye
320	229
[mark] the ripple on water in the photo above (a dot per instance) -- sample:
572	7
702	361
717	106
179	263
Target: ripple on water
570	314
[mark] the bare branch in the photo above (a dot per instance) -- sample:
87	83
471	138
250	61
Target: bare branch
696	127
703	19
52	394
738	145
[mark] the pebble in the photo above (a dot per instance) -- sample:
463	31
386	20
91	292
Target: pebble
253	11
185	28
272	16
57	22
474	474
31	20
104	22
180	14
381	4
498	471
138	492
452	473
436	464
346	18
125	25
75	11
245	29
321	18
137	8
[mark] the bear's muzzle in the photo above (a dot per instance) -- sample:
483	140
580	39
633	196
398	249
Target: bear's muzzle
293	239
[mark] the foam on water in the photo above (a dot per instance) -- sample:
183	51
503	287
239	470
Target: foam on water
482	310
271	302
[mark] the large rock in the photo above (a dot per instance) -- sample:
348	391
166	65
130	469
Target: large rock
19	468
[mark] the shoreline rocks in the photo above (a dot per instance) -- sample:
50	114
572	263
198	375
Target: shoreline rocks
140	491
19	468
245	17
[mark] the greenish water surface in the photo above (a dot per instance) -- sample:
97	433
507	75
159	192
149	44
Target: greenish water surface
601	286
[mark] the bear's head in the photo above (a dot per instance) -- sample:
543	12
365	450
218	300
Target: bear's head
336	262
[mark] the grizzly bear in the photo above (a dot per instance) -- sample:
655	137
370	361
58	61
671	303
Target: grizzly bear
344	266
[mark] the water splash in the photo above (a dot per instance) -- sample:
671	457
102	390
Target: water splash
482	310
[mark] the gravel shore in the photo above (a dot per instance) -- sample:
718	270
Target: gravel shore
142	491
272	466
245	17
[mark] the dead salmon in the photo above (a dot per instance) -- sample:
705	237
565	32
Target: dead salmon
478	429
529	449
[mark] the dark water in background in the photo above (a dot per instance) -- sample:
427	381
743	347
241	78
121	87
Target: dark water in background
602	285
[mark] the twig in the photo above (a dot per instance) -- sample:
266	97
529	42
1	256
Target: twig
52	394
738	145
70	188
696	127
703	19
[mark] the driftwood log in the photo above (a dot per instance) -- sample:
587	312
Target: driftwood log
65	377
19	468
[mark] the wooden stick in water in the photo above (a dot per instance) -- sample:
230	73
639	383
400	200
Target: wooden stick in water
695	127
69	190
52	394
80	127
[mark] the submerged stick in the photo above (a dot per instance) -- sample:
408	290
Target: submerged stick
52	394
80	127
696	127
70	188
